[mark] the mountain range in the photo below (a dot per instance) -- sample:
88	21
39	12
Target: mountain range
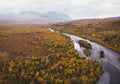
34	17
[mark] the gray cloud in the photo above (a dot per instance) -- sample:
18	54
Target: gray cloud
75	8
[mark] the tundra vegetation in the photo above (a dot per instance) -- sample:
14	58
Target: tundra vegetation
34	55
87	47
105	32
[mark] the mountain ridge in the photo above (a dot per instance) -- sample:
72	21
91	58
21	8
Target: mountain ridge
35	15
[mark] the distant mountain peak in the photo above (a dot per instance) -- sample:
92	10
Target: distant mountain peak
49	15
36	17
29	12
51	12
56	15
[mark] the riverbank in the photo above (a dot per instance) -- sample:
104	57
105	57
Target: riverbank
110	63
99	42
95	40
75	40
93	36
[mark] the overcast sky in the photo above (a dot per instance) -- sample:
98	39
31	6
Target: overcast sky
74	8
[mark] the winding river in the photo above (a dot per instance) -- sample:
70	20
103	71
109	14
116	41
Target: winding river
110	63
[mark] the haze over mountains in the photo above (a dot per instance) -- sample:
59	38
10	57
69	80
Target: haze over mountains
34	17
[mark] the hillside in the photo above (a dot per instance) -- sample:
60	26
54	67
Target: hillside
35	55
104	31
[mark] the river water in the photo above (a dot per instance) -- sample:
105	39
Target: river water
110	62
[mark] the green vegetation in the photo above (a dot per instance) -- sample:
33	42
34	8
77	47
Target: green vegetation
102	54
51	60
87	46
40	70
87	52
105	32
